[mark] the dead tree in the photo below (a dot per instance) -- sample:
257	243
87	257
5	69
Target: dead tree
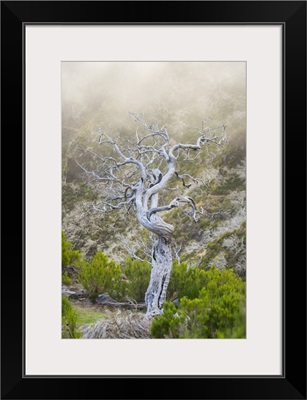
135	173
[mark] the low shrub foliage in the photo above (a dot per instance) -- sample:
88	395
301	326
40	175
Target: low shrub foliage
101	275
69	320
217	311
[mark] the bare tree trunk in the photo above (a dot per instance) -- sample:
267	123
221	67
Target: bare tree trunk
160	276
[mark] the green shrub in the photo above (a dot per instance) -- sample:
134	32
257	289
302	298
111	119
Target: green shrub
185	281
69	256
69	320
217	312
138	276
65	254
66	279
100	275
167	325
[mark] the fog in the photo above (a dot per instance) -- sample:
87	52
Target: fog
179	94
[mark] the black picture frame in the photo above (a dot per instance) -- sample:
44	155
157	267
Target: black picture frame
292	16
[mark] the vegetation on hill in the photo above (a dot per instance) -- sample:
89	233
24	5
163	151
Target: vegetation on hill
212	305
111	252
201	303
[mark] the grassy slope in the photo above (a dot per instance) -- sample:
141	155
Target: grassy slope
88	315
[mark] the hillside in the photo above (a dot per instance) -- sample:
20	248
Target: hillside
219	236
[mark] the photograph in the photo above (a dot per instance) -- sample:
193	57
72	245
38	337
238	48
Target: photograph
153	200
162	182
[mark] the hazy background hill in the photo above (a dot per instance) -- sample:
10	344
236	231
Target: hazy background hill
182	96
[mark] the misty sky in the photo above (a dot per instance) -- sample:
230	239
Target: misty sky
175	93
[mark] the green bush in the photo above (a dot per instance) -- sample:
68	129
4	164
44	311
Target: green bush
138	276
69	320
100	275
217	312
185	281
168	324
69	256
65	253
66	279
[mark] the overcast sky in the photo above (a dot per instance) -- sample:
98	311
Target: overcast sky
176	93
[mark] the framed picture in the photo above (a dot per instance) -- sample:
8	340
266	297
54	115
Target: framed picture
215	96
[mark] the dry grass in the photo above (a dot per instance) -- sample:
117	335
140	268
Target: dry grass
122	325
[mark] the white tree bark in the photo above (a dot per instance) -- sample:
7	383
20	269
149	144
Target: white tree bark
160	276
139	186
